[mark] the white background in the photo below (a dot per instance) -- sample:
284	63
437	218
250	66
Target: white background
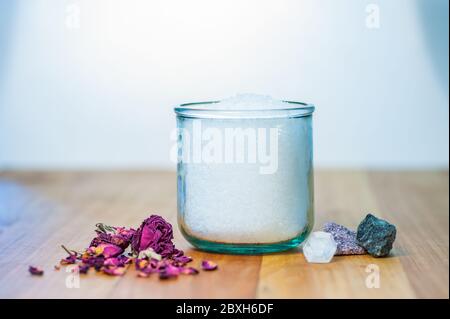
92	84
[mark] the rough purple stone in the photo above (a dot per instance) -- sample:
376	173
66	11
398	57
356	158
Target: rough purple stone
345	239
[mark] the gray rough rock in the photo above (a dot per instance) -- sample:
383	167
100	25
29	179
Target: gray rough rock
376	236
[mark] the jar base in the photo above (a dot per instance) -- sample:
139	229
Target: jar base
246	249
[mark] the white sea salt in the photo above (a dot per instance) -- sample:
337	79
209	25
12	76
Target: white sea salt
234	202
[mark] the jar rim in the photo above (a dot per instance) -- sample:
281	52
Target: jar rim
197	110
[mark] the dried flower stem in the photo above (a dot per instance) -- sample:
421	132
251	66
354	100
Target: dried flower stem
104	228
70	252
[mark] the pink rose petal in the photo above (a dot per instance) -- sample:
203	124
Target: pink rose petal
114	271
189	271
35	271
208	265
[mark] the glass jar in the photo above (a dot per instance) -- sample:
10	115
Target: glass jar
245	177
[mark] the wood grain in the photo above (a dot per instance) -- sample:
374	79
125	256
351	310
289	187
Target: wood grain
39	211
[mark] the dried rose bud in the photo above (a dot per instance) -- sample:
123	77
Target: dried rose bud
119	236
35	271
154	233
208	265
126	233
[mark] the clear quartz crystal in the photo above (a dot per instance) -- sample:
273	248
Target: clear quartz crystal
319	247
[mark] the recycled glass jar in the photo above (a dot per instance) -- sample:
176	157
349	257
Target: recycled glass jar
245	176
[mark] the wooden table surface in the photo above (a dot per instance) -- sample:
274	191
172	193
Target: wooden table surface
39	211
